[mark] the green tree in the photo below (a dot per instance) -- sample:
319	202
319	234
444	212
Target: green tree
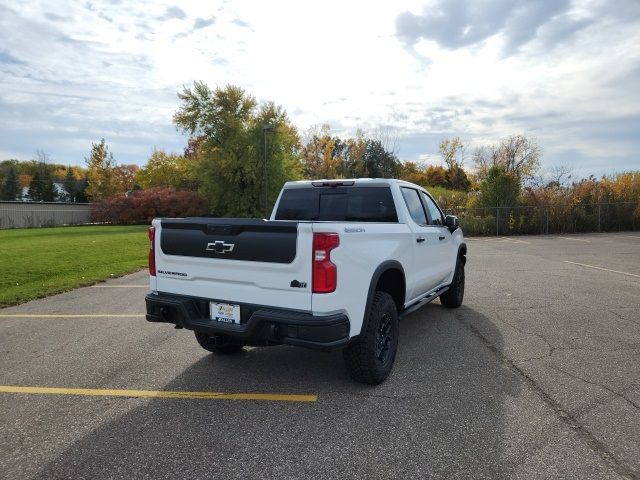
69	185
231	167
124	178
282	148
457	179
11	187
35	187
452	152
100	166
354	166
436	176
319	157
6	166
192	150
48	190
41	188
517	154
81	191
414	173
29	167
167	170
326	156
500	188
379	162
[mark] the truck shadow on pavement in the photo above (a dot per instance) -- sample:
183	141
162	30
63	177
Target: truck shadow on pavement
441	413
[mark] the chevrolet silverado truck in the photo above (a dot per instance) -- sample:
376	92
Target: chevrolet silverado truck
335	267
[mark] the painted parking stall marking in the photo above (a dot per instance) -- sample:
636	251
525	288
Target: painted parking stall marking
604	269
575	239
71	315
119	286
497	240
94	392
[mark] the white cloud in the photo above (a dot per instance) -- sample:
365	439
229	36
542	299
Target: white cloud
73	73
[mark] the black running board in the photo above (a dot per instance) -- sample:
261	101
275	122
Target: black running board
421	303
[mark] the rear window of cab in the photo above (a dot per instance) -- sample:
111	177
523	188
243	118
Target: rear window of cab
338	204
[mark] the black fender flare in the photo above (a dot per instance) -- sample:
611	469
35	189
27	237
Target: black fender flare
377	273
462	253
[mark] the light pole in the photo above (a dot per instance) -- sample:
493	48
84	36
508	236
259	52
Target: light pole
266	129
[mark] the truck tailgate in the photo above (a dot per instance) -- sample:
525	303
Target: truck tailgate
235	260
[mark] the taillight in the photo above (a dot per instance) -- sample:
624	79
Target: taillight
325	273
152	253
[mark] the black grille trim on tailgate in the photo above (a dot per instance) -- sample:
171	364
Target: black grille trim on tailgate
252	239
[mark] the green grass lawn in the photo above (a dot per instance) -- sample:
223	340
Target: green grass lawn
36	262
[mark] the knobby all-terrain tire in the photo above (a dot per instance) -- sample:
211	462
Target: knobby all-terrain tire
206	342
369	357
452	298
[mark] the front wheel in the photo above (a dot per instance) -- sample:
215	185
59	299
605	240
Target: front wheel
452	298
369	358
210	344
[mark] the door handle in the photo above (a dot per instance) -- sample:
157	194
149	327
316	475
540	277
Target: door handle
441	238
420	239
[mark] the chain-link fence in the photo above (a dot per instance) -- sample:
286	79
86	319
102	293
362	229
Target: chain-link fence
598	217
42	214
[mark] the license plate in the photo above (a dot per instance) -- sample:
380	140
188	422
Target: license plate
225	312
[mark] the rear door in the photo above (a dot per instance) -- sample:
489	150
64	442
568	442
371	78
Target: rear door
235	260
444	260
425	244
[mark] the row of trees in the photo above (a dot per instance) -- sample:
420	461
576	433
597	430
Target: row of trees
105	178
223	163
50	182
224	157
44	183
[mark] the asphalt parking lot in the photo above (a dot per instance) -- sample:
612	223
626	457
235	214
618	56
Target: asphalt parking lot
536	376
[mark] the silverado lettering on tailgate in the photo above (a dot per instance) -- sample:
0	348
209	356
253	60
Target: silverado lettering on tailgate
180	274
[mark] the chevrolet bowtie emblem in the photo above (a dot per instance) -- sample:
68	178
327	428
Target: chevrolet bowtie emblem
220	247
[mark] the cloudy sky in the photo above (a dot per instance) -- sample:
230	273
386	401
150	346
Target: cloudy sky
564	72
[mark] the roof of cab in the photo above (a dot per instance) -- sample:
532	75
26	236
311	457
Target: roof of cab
353	181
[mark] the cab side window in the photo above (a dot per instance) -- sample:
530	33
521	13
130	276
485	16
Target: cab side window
412	199
434	212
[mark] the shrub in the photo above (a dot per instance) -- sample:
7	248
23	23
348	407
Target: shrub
478	225
448	199
500	189
142	206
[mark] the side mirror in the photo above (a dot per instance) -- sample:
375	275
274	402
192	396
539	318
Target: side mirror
452	223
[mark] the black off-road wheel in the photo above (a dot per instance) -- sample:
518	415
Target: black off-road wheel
453	297
209	343
369	358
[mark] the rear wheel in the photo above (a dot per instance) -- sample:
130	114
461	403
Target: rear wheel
217	344
452	298
369	357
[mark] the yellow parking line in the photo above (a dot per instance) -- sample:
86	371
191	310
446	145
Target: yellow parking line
605	269
119	286
71	315
267	397
504	240
517	240
575	239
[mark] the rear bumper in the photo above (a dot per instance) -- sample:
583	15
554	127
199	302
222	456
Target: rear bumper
260	325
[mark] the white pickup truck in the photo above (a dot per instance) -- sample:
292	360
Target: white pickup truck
336	265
